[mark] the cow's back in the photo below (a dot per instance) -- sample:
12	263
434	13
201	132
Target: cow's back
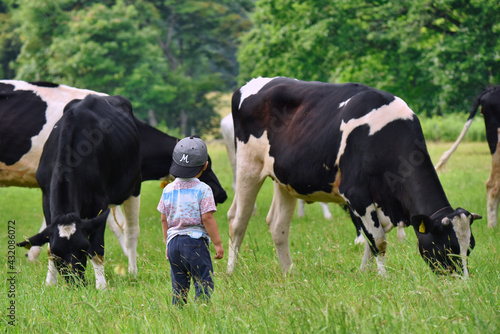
92	155
308	125
28	112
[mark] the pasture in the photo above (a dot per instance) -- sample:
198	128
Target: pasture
326	293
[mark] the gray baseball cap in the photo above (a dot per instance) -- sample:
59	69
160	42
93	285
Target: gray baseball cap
189	157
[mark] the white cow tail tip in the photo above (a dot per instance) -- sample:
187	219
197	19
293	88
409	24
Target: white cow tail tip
446	155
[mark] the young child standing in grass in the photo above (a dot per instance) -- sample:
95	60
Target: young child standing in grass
188	224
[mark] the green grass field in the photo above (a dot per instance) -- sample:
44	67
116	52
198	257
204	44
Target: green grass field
327	293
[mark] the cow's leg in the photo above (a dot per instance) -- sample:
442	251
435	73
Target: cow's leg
98	264
301	208
116	223
360	239
52	270
51	273
35	251
367	257
239	215
401	232
493	190
279	219
326	212
131	211
376	244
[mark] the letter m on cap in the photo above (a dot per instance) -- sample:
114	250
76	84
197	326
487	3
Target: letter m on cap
185	158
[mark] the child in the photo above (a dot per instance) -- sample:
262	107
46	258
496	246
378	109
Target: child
188	224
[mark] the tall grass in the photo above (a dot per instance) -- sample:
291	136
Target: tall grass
326	292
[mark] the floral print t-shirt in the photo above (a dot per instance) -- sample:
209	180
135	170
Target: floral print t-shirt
183	202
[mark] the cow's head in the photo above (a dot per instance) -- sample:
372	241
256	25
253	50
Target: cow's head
71	241
209	177
445	241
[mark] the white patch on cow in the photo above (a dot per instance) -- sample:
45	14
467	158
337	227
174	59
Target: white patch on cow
385	221
255	153
252	87
461	226
377	119
22	173
66	231
343	104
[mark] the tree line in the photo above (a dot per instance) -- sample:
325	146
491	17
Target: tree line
167	55
436	55
163	55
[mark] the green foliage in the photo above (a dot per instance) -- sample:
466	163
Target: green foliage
164	56
289	38
326	293
448	128
436	55
9	41
101	45
38	21
174	132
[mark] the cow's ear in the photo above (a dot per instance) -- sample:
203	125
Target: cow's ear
39	239
475	216
421	223
95	224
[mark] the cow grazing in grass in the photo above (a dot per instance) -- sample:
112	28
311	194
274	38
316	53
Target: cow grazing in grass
489	100
90	161
29	111
227	130
344	143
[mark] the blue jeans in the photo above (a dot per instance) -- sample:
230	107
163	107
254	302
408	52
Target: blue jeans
190	258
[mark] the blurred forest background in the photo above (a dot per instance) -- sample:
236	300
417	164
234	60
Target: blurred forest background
174	58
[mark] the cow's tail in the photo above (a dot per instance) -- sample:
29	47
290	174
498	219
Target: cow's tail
446	155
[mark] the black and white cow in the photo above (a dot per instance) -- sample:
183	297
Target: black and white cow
29	111
489	100
227	130
344	143
90	161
